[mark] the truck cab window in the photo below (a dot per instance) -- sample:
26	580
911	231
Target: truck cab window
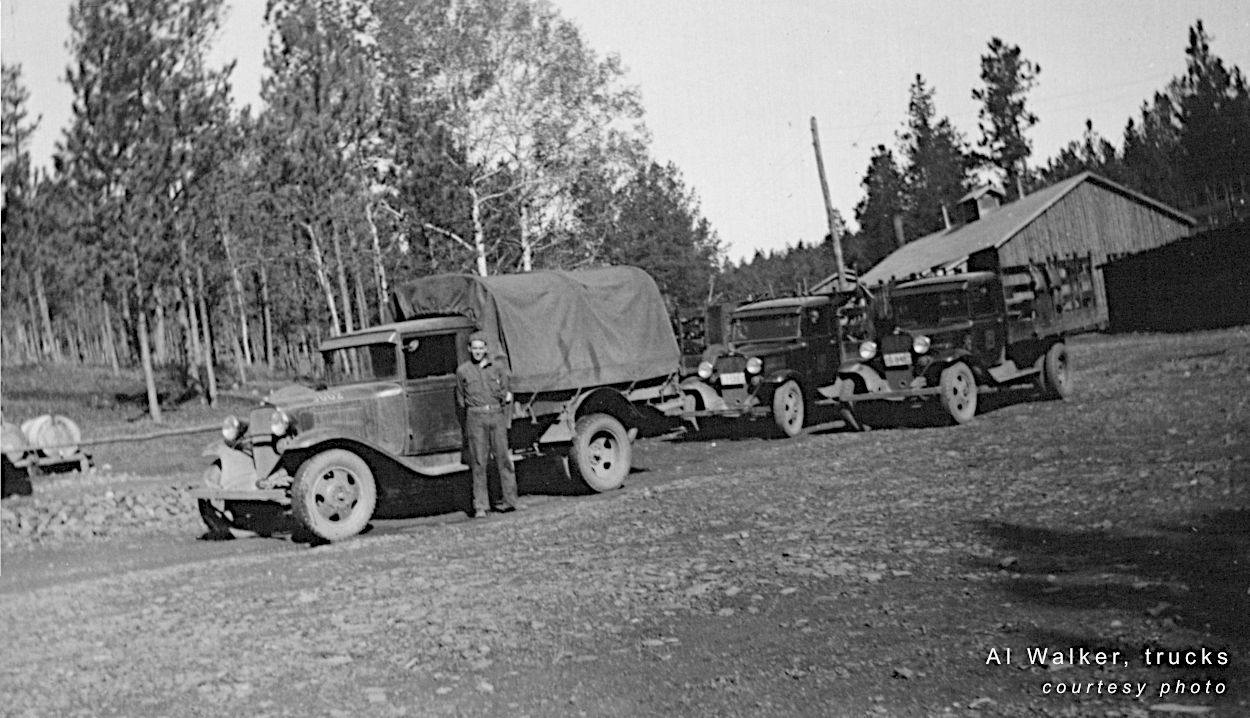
430	355
369	362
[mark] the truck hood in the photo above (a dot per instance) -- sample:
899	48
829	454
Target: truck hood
938	330
766	348
294	398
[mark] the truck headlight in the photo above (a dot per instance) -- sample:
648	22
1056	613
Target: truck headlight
232	428
755	365
867	350
280	422
705	370
920	344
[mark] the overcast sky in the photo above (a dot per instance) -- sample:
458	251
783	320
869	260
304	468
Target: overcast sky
730	87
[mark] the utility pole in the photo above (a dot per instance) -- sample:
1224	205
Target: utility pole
835	235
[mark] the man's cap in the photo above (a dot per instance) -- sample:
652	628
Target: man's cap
478	337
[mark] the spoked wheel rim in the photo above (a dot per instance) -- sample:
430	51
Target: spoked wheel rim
791	407
788	409
959	392
602	453
335	494
1061	372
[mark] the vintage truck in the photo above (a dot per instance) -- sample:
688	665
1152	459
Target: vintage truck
945	337
592	356
782	357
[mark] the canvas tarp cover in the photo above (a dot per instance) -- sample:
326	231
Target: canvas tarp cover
558	330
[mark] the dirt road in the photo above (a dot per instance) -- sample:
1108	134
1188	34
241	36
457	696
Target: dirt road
882	573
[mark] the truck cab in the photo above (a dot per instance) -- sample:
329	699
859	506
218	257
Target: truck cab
388	396
944	336
779	354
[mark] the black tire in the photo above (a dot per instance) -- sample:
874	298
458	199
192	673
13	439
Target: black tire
789	408
1056	380
14	481
959	392
334	495
601	453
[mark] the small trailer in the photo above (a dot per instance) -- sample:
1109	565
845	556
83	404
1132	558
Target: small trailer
44	444
592	356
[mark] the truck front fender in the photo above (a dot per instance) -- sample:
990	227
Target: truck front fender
781	376
238	471
858	379
309	440
706	398
941	360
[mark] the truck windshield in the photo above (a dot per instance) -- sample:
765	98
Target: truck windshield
930	309
776	326
369	362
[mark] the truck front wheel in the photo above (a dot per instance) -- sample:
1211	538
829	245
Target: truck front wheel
788	408
958	392
1056	383
334	494
601	453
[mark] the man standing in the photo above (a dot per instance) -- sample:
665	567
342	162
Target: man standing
483	397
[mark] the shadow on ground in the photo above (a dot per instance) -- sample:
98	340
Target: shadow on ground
1193	575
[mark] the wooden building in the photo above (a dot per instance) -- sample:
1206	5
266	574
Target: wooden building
1086	219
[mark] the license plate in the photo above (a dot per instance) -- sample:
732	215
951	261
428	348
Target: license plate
733	378
898	359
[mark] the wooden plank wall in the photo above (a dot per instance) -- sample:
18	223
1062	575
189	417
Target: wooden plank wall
1093	220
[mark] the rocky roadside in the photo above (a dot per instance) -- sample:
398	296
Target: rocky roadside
94	506
836	574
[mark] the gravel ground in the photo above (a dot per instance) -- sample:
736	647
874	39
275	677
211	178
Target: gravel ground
833	574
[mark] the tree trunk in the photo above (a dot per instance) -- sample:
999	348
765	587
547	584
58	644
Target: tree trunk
194	353
190	355
131	330
51	349
379	269
527	244
323	279
209	370
161	353
236	280
110	340
266	316
238	357
362	304
341	272
479	232
86	353
145	358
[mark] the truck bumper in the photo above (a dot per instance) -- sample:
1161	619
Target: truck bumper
275	495
237	479
896	386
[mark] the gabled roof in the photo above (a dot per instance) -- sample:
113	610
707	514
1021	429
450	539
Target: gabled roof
982	190
950	247
783	303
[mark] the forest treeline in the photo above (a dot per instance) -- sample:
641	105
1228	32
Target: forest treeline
397	138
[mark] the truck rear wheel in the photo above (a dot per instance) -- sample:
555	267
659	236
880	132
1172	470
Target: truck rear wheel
789	409
601	453
1055	380
958	392
334	494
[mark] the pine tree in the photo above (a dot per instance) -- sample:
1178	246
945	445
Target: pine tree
937	163
884	198
144	109
1008	77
